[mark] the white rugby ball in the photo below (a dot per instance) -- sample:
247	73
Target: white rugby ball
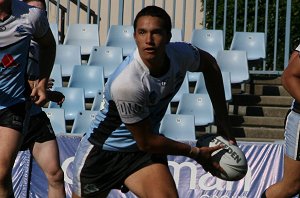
230	157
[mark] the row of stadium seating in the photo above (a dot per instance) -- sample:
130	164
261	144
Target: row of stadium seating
86	80
87	36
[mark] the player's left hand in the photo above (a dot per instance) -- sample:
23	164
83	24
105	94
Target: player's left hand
227	135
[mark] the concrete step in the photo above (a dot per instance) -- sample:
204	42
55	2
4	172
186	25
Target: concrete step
259	132
267	90
257	121
255	100
268	111
265	80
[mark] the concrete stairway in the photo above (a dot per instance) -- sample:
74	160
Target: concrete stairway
258	112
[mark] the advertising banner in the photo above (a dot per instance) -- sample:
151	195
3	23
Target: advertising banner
265	165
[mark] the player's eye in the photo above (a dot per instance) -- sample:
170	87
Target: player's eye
141	32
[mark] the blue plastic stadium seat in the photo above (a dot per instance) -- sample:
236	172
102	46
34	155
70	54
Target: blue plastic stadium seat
178	127
54	30
198	105
107	57
74	101
84	35
91	78
57	119
67	56
185	88
97	101
176	35
211	41
121	36
82	121
56	75
200	86
235	62
251	42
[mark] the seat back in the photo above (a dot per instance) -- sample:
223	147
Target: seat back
121	36
84	35
176	35
235	62
74	101
54	30
251	42
211	41
97	101
56	75
90	78
185	88
57	119
227	85
178	127
67	56
106	56
198	105
82	121
200	86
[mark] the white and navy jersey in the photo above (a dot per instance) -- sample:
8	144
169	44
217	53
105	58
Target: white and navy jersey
132	94
16	32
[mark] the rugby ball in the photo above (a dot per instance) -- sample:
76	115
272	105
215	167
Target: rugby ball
230	157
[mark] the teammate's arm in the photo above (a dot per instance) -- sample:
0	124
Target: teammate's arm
47	55
291	76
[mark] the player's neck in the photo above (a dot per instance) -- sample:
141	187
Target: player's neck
160	68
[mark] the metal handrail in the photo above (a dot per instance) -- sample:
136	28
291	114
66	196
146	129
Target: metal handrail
92	16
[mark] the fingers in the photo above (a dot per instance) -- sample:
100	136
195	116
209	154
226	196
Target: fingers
50	83
215	148
38	96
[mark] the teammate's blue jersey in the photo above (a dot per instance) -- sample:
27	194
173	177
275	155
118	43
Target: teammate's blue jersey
16	32
132	94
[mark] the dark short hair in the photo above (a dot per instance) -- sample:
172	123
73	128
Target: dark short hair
41	1
155	11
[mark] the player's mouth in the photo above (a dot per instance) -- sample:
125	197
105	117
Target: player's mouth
150	50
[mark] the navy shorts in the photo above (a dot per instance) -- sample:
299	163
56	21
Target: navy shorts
39	130
13	116
96	170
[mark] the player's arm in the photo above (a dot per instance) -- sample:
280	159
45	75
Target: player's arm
291	76
214	84
147	141
47	55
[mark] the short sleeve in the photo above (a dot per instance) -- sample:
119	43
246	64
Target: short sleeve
130	101
185	54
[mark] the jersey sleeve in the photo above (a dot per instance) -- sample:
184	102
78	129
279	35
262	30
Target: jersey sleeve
39	22
130	101
187	55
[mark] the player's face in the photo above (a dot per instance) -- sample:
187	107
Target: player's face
151	38
36	4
